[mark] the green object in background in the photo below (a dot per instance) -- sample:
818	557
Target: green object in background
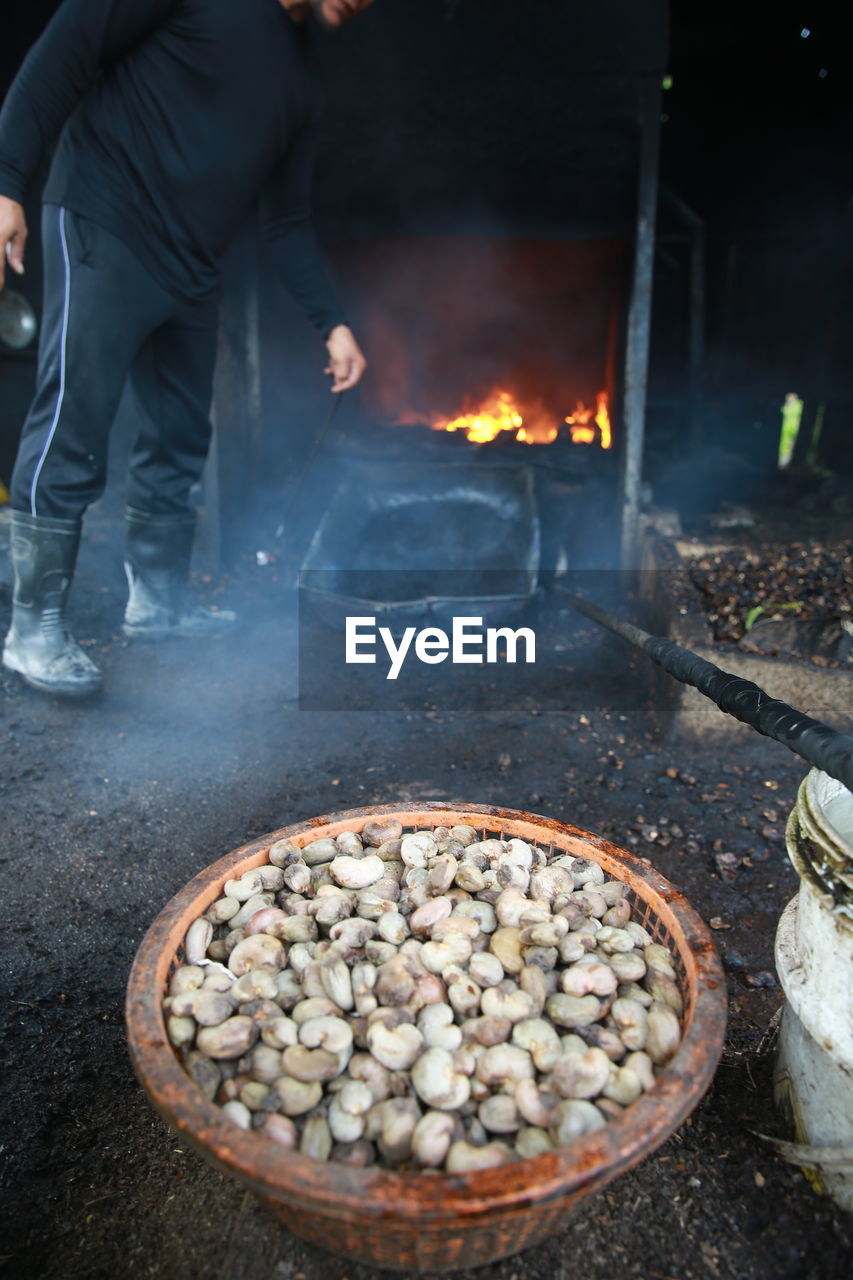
790	606
792	413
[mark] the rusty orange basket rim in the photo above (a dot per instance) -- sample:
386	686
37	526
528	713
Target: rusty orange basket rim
274	1171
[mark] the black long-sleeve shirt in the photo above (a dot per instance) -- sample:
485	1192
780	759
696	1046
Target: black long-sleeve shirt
173	116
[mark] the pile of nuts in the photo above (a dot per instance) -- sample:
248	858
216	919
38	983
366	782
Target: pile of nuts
429	1000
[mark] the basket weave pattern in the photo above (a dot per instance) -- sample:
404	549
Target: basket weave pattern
427	1221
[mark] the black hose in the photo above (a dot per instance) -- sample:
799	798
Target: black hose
821	746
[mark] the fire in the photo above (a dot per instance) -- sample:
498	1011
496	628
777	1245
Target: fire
500	412
583	421
530	437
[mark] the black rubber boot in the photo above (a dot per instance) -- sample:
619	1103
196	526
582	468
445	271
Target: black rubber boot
157	564
39	645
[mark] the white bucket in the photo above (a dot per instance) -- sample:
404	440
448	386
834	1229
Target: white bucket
813	1080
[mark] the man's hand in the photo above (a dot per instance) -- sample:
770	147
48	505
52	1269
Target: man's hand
13	237
346	361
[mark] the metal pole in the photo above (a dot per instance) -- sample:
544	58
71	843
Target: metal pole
821	746
639	321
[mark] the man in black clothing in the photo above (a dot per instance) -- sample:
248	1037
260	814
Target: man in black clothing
172	117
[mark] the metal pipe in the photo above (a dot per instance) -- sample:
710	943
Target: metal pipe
640	320
821	746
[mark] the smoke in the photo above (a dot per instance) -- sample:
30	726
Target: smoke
445	320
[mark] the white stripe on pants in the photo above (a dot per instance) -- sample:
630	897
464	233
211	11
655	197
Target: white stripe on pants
62	359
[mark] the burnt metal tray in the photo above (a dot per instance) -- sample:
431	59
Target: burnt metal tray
407	542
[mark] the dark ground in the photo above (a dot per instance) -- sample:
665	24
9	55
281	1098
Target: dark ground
195	748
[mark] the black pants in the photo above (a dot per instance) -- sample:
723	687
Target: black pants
106	319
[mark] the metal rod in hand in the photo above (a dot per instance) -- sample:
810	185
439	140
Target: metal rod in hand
816	742
319	441
296	487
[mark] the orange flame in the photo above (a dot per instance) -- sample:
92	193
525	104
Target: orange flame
499	412
602	419
548	436
583	421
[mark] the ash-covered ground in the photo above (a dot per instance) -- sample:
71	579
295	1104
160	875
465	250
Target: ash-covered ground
196	747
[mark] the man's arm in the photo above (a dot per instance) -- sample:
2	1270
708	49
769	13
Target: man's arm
83	37
286	221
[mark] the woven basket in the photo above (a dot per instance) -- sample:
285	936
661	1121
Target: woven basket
435	1221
